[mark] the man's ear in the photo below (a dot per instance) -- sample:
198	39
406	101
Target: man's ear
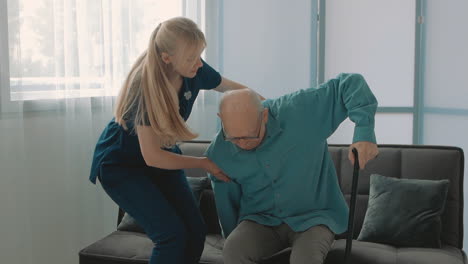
166	58
265	114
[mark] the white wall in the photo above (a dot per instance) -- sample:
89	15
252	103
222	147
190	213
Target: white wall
446	54
375	39
268	45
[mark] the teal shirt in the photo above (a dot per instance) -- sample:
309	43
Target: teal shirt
290	177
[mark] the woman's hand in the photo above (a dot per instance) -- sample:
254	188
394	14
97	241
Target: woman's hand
214	170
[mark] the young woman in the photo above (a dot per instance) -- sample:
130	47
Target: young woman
136	158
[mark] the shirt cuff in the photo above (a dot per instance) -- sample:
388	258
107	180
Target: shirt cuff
364	134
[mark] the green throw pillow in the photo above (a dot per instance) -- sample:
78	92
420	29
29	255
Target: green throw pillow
404	212
197	184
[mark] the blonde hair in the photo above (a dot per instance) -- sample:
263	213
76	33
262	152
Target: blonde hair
148	89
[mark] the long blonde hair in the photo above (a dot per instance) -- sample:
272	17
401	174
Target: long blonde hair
148	89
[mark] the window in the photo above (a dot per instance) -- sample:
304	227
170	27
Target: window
376	39
79	48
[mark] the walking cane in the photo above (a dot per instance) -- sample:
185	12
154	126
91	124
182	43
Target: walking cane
352	206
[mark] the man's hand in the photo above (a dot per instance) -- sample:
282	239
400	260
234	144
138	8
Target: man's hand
366	151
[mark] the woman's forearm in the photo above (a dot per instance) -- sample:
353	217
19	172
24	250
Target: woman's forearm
172	161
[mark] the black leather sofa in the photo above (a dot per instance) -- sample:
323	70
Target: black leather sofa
400	161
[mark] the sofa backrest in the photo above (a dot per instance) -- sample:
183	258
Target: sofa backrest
399	161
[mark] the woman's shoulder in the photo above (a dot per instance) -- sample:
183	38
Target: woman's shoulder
208	77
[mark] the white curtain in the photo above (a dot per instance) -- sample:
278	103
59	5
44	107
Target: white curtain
65	63
78	48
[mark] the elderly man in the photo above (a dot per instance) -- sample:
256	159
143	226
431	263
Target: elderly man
284	190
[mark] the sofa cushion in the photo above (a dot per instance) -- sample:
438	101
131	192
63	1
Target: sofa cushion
409	162
118	247
404	212
122	247
129	223
374	253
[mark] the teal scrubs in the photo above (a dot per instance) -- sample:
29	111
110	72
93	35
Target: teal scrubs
159	200
118	146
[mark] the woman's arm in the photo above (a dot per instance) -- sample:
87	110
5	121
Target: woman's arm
154	156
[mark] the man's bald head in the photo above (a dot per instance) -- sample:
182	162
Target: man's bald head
243	101
243	117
